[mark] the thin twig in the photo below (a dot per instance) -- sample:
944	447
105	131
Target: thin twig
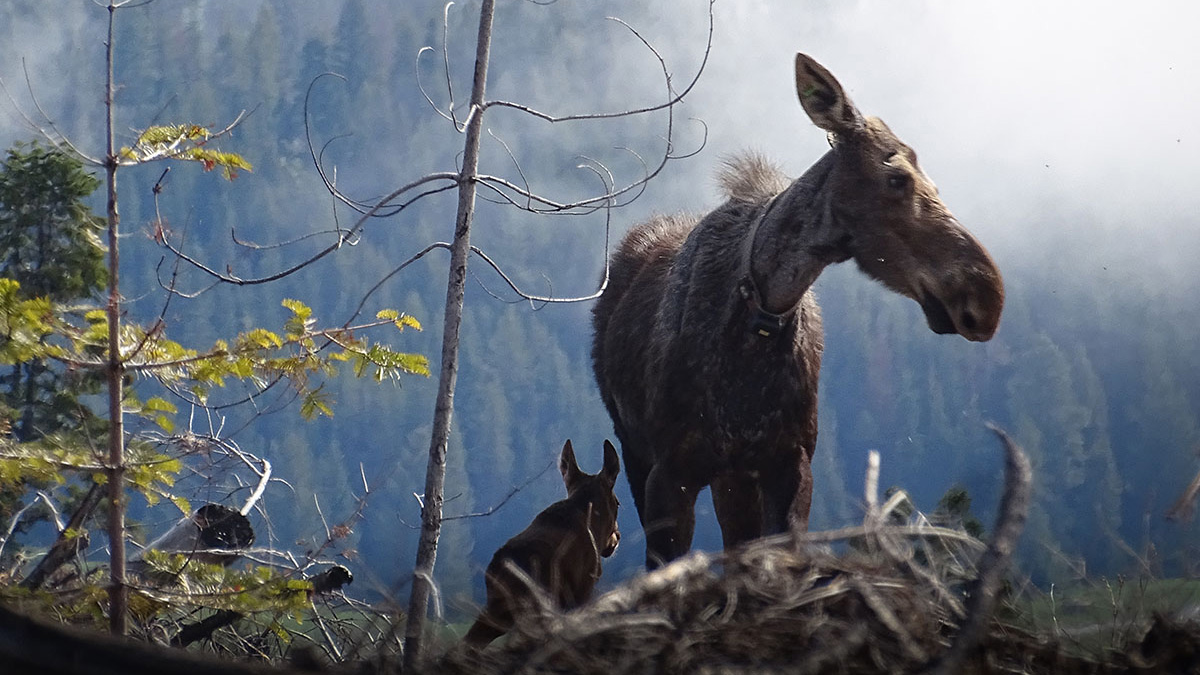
871	487
496	507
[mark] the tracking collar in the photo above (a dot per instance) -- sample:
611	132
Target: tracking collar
762	322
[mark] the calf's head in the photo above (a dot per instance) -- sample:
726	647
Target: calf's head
596	491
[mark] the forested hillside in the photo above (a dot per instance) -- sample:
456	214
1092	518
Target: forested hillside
1095	369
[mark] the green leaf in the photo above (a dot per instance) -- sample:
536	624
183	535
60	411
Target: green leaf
298	326
314	403
298	308
158	404
284	635
186	142
400	320
263	339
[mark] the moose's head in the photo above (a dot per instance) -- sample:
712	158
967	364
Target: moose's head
893	222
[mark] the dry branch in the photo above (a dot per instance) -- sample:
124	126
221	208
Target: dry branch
65	546
787	604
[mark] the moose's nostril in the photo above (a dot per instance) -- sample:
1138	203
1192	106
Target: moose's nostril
968	321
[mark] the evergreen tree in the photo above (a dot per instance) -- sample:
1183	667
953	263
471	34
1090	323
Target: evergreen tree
49	241
50	247
48	236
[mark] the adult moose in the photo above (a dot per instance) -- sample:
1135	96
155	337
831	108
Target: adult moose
708	339
560	550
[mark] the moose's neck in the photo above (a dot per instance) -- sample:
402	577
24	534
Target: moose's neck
796	238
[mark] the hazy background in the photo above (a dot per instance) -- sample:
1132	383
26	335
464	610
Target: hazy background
1066	135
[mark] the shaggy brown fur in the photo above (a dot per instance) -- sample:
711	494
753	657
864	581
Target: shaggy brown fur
751	178
708	340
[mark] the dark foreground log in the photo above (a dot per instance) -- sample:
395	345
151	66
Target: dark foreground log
29	645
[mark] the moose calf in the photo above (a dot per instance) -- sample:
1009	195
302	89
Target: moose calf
560	550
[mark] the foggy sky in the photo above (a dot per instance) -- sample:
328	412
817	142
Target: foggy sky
1016	109
1056	131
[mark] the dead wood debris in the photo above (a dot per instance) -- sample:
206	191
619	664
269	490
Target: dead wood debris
885	597
897	594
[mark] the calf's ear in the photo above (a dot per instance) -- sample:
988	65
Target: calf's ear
612	464
568	467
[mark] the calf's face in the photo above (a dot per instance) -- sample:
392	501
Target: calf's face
597	491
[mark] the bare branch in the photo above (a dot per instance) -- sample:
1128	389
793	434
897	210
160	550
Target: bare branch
516	165
331	186
255	246
446	65
172	288
52	136
606	178
13	522
498	505
321	514
343	238
1184	507
537	298
1013	510
264	477
583	206
871	487
421	87
669	103
379	284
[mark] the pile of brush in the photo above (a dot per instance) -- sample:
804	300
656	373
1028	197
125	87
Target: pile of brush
897	594
768	607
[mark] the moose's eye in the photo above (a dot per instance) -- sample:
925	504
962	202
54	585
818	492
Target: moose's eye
898	181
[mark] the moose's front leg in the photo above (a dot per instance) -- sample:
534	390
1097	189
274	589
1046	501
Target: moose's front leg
787	492
737	499
669	519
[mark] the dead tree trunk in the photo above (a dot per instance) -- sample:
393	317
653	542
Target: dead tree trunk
435	472
118	593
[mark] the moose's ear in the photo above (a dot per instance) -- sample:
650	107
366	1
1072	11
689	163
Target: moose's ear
612	464
823	99
567	465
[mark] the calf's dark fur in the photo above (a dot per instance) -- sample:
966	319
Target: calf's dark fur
560	551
